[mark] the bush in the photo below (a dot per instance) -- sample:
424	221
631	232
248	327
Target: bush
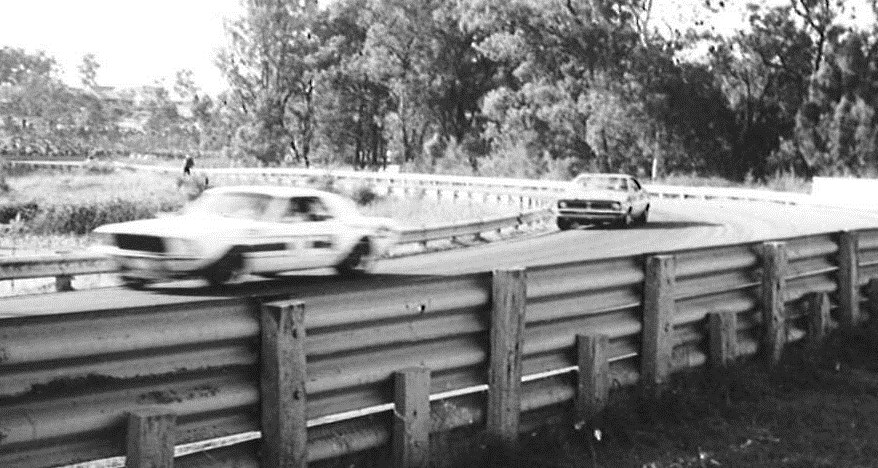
323	182
4	169
82	218
92	166
364	195
192	185
23	211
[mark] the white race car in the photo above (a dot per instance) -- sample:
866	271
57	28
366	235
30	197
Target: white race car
602	199
248	229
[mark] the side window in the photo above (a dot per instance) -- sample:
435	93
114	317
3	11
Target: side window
296	211
301	209
623	184
317	210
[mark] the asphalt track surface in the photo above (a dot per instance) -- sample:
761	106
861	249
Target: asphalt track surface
673	225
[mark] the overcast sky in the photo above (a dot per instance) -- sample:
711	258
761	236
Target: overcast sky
139	42
135	42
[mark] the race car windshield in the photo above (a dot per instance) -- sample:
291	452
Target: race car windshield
231	205
602	183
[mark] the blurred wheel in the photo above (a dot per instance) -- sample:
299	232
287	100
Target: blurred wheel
358	261
641	220
135	283
628	220
564	224
225	268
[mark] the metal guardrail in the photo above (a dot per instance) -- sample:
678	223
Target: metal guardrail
68	382
490	185
528	193
544	190
64	267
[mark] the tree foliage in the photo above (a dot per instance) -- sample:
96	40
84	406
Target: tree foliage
506	87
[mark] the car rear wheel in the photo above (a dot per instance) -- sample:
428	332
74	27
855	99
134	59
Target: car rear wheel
564	224
225	268
358	261
135	283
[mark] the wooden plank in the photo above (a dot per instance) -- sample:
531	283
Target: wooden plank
593	386
284	435
658	315
150	438
411	428
723	335
848	278
504	372
817	308
774	273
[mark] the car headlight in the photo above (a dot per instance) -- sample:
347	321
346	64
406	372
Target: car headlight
562	204
185	247
617	206
105	238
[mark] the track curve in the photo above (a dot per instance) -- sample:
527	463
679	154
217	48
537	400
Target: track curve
674	225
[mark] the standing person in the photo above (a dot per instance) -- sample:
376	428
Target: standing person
187	166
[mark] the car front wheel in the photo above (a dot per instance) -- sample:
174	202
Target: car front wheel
357	261
564	224
627	220
224	269
641	220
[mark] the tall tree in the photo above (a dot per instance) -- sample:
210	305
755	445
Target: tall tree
88	71
271	62
353	107
837	128
764	72
564	69
17	65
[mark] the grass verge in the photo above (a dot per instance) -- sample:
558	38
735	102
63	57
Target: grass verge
817	409
778	182
51	211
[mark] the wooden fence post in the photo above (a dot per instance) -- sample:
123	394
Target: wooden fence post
723	335
504	374
872	299
774	327
150	438
658	321
593	386
63	283
411	426
284	435
848	279
817	308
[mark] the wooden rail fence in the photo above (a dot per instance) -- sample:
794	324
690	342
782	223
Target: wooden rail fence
317	378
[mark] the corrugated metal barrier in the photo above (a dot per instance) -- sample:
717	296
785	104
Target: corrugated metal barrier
67	382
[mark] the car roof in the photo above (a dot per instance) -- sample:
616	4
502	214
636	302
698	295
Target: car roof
273	191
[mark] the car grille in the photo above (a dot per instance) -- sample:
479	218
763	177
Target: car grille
140	243
589	205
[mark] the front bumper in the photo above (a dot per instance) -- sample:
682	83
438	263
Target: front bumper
590	215
156	266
